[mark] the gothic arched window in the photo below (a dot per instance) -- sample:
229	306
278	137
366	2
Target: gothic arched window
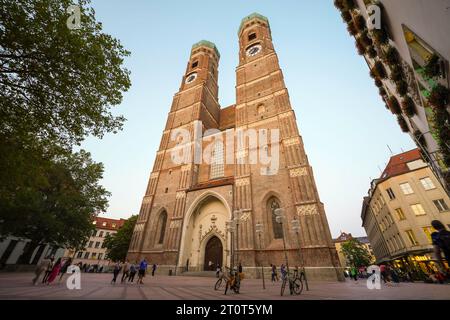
161	227
217	161
274	204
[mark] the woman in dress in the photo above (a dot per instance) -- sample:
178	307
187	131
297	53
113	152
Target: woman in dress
55	271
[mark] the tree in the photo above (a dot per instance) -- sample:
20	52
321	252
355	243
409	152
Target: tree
56	203
356	254
57	84
117	244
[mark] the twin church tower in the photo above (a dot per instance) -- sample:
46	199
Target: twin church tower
184	220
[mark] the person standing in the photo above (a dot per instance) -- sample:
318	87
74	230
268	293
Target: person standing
126	271
116	272
48	270
132	272
64	268
354	273
218	269
154	266
274	273
55	271
142	271
441	243
41	268
283	272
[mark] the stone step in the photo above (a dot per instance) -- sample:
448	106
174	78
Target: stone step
209	274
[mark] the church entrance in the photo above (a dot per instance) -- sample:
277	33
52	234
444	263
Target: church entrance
213	254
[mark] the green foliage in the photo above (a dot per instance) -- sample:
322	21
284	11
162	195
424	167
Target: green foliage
372	52
365	39
394	106
397	73
360	23
402	123
47	195
117	244
392	56
57	86
379	70
433	66
56	83
439	96
401	87
408	107
380	36
356	254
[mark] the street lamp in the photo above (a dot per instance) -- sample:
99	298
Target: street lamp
296	228
230	225
259	231
279	213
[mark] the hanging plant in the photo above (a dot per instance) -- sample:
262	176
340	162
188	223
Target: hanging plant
360	22
379	70
346	16
344	4
391	56
433	66
351	28
420	138
396	73
402	87
394	106
380	36
371	52
408	107
382	91
378	83
439	96
403	125
365	39
360	47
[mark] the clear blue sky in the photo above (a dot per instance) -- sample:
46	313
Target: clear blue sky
341	117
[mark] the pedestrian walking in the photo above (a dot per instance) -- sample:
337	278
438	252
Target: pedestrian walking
142	271
441	243
154	266
116	272
283	271
49	269
274	273
132	272
55	271
126	271
218	270
41	268
64	268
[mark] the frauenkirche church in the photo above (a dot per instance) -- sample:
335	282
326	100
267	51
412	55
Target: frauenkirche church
183	223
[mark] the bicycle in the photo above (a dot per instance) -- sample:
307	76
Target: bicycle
222	279
295	284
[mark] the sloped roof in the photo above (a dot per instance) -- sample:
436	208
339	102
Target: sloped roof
398	163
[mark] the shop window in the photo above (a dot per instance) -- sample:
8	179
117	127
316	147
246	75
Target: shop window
428	231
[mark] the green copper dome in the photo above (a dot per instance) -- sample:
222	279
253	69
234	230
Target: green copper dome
208	44
250	17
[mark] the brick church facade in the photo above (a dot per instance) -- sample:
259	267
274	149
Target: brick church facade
183	219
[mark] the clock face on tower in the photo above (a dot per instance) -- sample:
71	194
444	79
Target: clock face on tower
254	50
191	78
